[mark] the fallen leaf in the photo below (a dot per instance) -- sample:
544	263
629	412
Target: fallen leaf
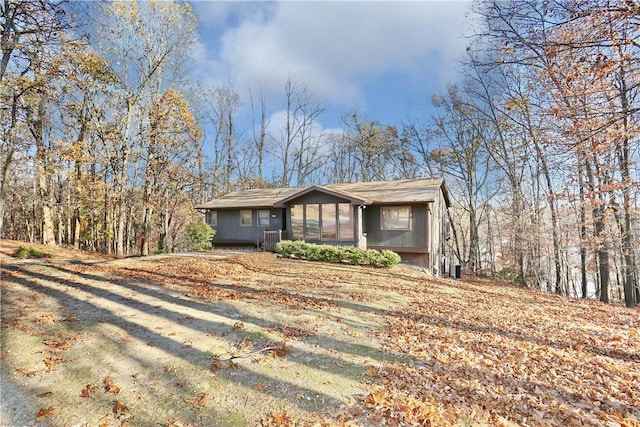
27	372
109	385
52	361
371	372
88	390
45	394
121	413
238	325
278	419
199	400
43	412
60	345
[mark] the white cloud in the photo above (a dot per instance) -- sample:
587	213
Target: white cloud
277	125
333	47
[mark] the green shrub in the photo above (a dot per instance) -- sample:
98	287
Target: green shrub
510	274
336	254
31	252
200	235
390	258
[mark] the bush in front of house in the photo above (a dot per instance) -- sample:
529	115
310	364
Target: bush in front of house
200	235
31	252
336	254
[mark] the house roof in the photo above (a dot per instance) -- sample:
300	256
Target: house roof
353	198
254	198
398	191
419	190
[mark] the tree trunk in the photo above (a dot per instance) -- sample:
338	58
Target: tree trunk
228	170
599	209
554	216
163	236
48	236
603	263
75	228
120	224
8	159
455	237
623	153
146	230
628	238
584	280
36	125
263	136
474	241
121	179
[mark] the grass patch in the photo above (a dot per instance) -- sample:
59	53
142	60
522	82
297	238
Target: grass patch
31	252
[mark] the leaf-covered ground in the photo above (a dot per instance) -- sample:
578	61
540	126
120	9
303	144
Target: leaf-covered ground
255	340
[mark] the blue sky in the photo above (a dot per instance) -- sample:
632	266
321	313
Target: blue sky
380	59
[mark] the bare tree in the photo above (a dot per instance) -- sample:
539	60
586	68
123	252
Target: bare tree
296	143
378	151
259	130
579	55
463	157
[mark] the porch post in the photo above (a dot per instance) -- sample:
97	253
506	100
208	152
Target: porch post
360	239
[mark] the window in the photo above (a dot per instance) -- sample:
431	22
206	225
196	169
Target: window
395	218
329	225
264	218
345	222
297	222
245	218
212	218
325	222
312	222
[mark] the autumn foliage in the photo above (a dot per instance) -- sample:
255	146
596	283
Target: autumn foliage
476	355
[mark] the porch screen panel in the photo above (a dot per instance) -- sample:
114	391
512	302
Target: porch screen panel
312	222
345	221
329	225
297	222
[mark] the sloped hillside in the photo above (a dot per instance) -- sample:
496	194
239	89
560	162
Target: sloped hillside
255	340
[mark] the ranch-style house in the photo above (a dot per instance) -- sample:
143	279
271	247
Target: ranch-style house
408	216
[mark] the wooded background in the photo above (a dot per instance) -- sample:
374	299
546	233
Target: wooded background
108	142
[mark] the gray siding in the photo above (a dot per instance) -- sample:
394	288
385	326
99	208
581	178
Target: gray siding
229	229
317	197
417	237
